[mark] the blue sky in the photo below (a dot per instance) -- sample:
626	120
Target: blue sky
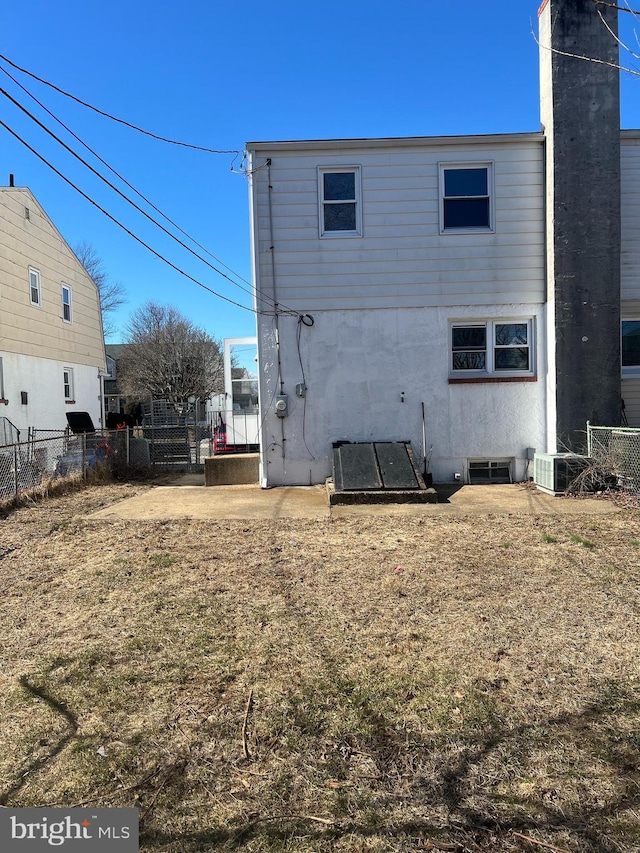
220	74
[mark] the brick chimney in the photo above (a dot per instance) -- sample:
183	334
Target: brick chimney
580	114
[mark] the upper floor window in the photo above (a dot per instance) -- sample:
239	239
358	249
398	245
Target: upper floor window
66	303
630	348
340	204
492	348
35	295
466	197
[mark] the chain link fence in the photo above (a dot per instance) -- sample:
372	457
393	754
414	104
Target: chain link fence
616	452
51	454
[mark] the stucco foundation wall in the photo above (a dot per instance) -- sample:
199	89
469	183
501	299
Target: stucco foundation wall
359	366
42	379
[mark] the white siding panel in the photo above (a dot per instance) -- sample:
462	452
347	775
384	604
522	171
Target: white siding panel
631	397
401	254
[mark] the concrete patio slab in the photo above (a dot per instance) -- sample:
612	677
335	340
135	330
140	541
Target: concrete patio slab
179	498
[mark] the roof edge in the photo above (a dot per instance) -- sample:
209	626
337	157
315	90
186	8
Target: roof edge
395	142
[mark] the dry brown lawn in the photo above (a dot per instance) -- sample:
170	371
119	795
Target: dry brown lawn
363	684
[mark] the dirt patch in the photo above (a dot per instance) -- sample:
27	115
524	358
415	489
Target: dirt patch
356	684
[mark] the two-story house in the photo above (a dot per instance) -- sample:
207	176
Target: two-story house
463	293
52	354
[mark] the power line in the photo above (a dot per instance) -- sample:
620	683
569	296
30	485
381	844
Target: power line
137	207
120	225
115	118
121	177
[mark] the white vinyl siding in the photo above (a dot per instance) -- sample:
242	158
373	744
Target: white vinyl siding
402	259
37	244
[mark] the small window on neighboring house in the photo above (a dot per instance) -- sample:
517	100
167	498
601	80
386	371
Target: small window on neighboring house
340	206
67	374
111	367
466	197
492	348
66	303
630	349
34	286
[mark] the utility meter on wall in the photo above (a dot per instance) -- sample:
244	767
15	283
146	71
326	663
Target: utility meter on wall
282	406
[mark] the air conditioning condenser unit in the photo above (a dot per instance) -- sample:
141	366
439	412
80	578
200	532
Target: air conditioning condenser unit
553	473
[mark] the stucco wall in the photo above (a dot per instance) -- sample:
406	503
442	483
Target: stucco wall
357	366
42	379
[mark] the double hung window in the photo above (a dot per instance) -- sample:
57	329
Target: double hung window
35	296
466	193
66	303
67	378
492	348
340	204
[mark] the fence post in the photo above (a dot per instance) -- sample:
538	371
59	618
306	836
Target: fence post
588	438
127	454
15	469
84	456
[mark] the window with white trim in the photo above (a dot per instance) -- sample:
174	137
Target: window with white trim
630	348
492	348
67	375
35	296
340	202
466	192
66	303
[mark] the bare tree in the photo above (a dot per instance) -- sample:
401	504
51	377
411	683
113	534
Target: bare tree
169	358
112	293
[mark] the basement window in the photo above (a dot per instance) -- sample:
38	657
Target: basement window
484	472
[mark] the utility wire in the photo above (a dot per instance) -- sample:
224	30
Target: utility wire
137	207
121	177
120	225
114	118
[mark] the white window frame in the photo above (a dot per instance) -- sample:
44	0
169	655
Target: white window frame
36	274
322	171
489	371
631	371
68	304
67	379
479	229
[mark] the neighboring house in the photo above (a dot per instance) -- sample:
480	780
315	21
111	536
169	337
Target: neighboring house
477	279
115	399
51	344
